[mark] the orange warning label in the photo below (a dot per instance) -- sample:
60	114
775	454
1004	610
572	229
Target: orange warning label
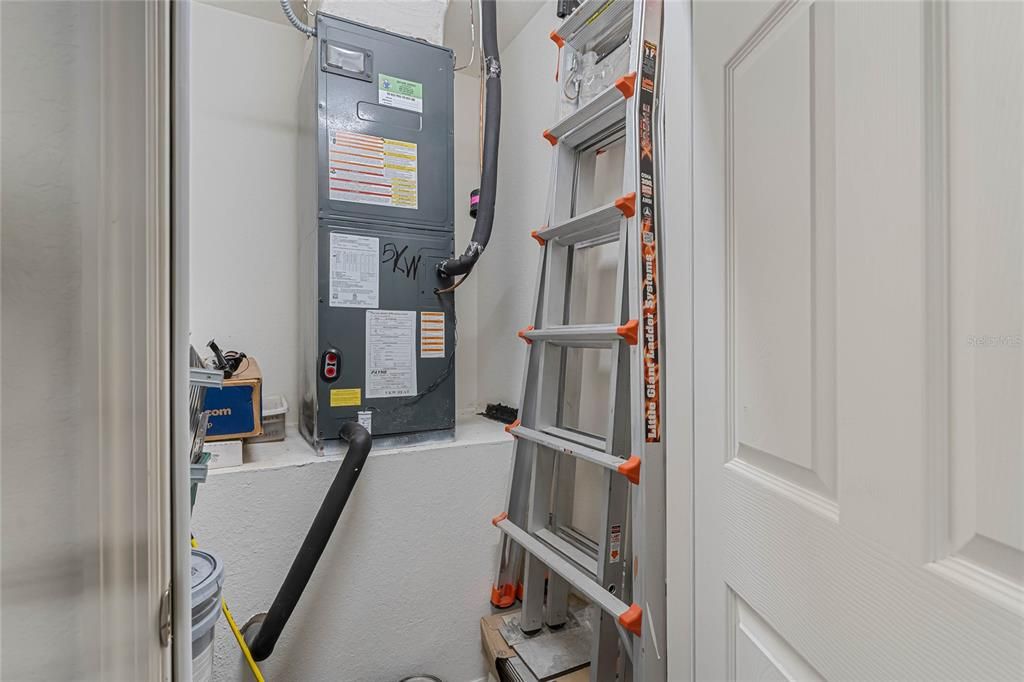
431	334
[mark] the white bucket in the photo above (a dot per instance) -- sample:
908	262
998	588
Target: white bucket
207	581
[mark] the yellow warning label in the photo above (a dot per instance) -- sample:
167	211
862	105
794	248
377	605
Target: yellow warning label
344	397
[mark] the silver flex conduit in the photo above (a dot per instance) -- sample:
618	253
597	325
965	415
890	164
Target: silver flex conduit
296	22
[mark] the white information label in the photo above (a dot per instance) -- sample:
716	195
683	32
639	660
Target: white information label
400	93
355	271
390	353
365	420
431	334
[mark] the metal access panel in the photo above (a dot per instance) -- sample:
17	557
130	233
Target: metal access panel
377	341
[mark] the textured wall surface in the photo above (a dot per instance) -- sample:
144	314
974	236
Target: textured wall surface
419	18
405	578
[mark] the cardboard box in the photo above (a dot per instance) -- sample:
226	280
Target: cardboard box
496	648
224	454
235	410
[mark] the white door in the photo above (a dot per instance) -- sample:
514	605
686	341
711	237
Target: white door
858	301
85	394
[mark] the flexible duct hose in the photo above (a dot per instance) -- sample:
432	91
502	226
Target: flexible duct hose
492	128
296	22
261	637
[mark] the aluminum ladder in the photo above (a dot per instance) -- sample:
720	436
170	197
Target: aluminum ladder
543	556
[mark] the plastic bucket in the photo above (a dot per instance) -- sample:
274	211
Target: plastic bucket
207	581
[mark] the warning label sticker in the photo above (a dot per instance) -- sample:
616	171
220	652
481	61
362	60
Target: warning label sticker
355	278
345	397
400	93
431	334
390	353
615	542
365	169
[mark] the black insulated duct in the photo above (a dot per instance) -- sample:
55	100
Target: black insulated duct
262	636
463	264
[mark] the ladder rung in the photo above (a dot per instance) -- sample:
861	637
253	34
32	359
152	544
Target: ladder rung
598	25
585	335
630	468
597	115
629	616
574	436
576	556
598	223
578	540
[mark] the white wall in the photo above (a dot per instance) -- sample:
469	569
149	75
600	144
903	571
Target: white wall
467	178
405	578
418	18
243	248
506	274
243	253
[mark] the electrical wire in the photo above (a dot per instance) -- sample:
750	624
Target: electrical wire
472	33
436	383
253	667
480	111
454	286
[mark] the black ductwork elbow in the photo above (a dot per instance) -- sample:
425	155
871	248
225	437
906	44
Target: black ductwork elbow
462	265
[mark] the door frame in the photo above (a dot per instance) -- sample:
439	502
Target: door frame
181	510
675	188
127	289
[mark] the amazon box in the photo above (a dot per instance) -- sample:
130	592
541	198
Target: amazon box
236	409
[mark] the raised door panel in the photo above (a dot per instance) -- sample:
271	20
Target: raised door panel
758	652
779	239
981	506
881	257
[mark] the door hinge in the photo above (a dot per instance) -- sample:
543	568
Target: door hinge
164	619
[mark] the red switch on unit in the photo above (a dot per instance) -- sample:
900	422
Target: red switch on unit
330	365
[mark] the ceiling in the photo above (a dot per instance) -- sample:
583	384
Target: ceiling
513	15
